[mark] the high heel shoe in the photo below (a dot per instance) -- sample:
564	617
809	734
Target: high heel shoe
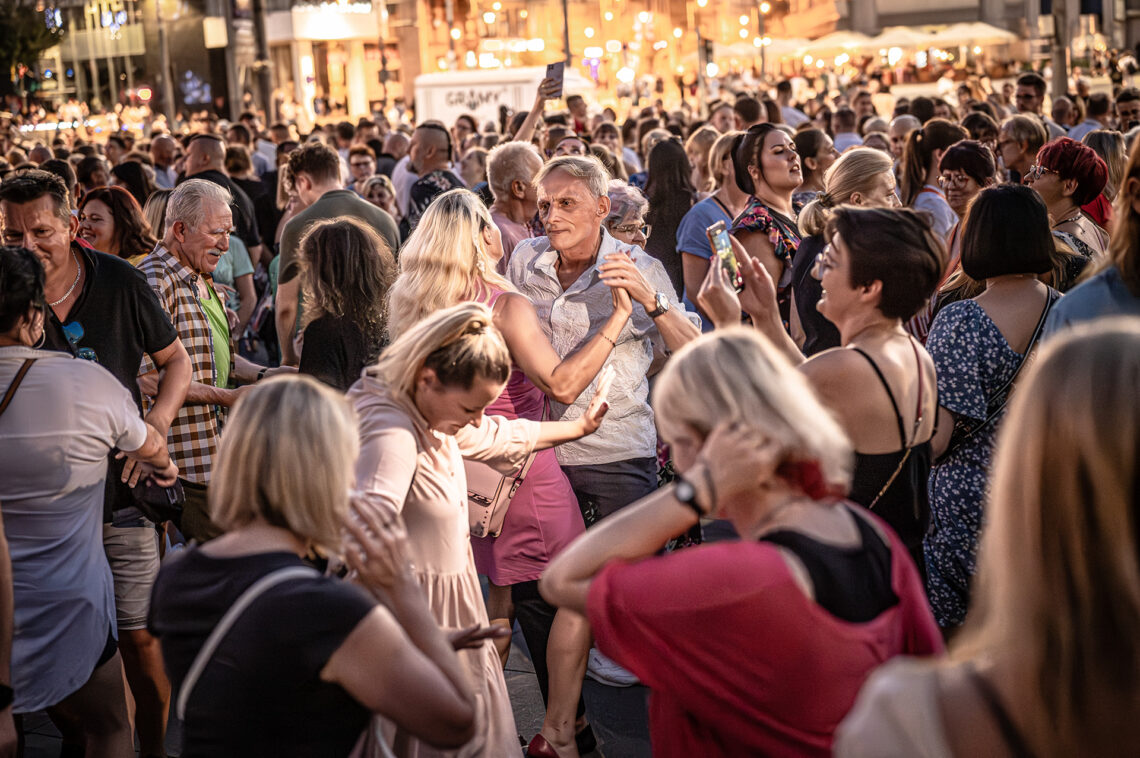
540	748
585	740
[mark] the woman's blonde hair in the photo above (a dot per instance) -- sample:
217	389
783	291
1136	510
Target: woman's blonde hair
1124	245
857	170
722	149
738	375
1109	145
702	141
286	458
458	343
155	209
1057	599
444	262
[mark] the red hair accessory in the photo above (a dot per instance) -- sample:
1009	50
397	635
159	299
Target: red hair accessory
808	476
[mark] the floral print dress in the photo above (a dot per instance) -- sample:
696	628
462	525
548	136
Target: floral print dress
973	361
785	237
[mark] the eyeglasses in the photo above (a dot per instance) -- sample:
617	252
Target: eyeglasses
632	229
73	331
1036	171
953	180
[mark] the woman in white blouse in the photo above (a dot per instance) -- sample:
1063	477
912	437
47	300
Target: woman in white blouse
421	413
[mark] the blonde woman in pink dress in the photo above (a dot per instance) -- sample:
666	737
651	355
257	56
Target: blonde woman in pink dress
451	258
421	410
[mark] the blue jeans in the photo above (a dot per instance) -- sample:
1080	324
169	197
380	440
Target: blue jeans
605	488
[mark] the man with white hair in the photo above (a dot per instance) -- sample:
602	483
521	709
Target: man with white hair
179	270
572	275
511	169
205	159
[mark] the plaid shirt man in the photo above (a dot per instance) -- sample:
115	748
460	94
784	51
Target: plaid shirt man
193	436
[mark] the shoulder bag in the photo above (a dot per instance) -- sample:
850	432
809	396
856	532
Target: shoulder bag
15	385
489	493
966	428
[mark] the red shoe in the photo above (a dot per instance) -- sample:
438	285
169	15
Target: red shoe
540	748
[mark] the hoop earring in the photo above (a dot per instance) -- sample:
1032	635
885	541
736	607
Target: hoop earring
43	338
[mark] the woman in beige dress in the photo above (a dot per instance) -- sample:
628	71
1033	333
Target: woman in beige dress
421	413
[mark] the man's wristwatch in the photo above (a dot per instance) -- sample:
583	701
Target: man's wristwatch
662	306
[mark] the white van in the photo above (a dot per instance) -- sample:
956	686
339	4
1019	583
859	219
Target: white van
444	97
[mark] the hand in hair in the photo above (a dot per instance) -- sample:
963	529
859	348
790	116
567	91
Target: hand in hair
739	459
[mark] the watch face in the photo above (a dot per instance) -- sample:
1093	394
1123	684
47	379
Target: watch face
662	302
685	492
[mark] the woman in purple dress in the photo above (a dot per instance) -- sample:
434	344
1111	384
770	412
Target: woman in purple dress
451	258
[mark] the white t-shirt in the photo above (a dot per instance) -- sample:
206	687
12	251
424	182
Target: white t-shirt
55	437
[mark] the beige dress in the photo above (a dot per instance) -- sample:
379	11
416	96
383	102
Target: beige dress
408	468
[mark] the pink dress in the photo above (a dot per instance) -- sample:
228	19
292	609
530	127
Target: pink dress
543	517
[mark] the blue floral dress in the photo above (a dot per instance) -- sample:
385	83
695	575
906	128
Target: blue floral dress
973	362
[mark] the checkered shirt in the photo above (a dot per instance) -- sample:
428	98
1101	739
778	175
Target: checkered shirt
193	437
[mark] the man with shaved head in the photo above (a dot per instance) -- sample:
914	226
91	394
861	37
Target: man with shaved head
164	151
205	159
430	158
395	147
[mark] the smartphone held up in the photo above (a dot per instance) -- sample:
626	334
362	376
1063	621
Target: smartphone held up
722	248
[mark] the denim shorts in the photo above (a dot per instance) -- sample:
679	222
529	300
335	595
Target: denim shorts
132	550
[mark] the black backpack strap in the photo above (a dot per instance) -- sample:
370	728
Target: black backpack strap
15	385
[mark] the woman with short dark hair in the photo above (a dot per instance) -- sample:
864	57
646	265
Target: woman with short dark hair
978	346
877	269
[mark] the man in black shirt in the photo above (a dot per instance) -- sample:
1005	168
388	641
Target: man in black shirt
430	154
205	159
102	309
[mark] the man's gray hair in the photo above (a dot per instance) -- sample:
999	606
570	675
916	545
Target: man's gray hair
585	167
625	200
511	162
191	199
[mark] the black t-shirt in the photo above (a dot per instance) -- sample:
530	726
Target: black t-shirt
261	694
245	221
336	351
122	320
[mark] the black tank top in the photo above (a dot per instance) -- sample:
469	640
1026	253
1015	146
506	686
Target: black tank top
850	583
893	485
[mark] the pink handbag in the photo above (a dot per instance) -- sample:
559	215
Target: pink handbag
489	495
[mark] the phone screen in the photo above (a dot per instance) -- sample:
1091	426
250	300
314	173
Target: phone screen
555	71
722	248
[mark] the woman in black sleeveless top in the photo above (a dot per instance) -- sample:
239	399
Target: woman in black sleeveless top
877	270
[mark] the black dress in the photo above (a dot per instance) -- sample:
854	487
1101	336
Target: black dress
336	351
261	694
893	485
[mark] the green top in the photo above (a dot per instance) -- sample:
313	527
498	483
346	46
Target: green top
220	332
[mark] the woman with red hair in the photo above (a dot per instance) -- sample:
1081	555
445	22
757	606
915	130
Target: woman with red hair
1068	175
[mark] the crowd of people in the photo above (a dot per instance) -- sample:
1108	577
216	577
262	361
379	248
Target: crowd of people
819	422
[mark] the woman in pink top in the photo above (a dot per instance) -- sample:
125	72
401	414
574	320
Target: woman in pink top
421	410
754	647
450	259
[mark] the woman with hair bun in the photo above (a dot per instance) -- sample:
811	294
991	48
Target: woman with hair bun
421	410
862	177
922	156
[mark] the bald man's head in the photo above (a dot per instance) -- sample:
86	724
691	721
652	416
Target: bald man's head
396	145
205	153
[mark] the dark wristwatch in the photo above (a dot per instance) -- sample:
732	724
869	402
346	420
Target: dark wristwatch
6	696
662	306
686	495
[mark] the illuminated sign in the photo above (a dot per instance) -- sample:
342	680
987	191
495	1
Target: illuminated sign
339	7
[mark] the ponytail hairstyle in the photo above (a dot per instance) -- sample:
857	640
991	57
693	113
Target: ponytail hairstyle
857	171
808	144
936	134
458	343
746	153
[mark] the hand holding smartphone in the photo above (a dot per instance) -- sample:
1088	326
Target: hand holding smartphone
556	71
722	249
